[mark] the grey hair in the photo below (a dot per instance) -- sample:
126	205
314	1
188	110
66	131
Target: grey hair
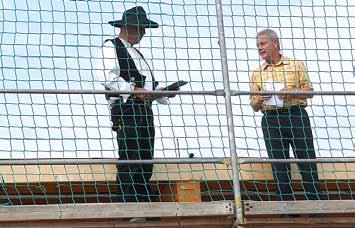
271	34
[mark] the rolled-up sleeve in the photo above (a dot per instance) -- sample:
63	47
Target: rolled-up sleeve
108	71
303	76
254	87
161	100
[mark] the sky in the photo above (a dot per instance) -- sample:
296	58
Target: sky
54	45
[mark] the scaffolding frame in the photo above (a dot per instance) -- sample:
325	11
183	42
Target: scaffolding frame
234	160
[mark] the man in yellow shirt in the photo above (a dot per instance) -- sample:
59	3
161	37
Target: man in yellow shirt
285	121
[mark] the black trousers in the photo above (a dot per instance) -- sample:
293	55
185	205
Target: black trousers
136	142
284	128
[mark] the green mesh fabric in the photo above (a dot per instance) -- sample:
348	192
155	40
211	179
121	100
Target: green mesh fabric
53	47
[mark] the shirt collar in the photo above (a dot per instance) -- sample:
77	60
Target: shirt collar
125	43
283	61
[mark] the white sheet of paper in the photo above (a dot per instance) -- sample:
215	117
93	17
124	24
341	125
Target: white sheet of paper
272	87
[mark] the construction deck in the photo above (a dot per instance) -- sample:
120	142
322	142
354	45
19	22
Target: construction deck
191	195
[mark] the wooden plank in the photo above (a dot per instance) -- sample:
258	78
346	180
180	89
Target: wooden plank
299	207
107	172
336	222
206	222
205	208
182	191
104	192
114	210
162	172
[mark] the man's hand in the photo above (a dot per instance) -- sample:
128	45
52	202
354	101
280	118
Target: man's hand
157	96
259	99
285	97
143	96
171	95
299	94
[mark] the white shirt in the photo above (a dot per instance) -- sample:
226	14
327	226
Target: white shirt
108	70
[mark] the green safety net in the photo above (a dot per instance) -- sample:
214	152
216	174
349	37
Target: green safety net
319	35
55	46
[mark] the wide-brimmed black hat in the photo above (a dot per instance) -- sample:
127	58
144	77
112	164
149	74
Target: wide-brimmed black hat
135	16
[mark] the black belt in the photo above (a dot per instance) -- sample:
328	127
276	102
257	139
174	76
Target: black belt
284	110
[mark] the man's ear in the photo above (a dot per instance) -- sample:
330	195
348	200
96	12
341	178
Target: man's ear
275	43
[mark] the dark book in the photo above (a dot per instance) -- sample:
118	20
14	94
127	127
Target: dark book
174	86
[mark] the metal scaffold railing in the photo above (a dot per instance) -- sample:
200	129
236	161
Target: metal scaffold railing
245	103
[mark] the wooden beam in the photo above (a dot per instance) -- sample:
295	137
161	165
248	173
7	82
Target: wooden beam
299	207
162	172
114	210
269	222
182	191
171	222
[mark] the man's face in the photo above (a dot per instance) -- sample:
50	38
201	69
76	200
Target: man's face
267	47
134	34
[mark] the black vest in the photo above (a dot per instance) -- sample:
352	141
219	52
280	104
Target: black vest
128	69
129	72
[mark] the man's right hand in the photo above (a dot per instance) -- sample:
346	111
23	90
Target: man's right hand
259	99
143	96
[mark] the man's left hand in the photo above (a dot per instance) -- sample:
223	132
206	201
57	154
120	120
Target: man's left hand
171	95
289	96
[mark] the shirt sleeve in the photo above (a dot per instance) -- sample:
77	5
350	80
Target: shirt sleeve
254	87
303	77
108	71
162	100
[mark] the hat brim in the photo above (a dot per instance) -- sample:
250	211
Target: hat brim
146	24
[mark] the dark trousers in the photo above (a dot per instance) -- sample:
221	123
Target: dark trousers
284	128
136	142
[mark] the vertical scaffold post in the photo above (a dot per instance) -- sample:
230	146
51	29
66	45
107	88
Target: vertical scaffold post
231	135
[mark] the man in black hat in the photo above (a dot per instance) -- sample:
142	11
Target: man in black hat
123	68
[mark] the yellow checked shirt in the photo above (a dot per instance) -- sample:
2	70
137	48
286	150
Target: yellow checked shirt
290	72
